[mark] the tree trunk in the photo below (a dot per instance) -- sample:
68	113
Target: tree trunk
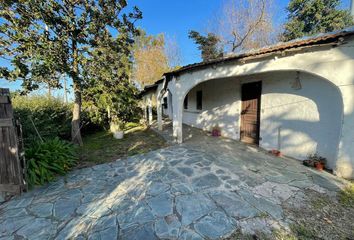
75	123
49	91
65	92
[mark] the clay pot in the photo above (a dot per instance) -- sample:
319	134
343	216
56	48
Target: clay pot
215	133
276	153
319	166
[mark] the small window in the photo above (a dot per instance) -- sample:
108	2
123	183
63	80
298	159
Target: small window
165	103
199	100
185	103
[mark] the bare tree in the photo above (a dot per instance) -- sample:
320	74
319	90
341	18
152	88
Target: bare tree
173	53
245	24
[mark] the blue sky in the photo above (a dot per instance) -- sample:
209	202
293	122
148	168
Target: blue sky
175	18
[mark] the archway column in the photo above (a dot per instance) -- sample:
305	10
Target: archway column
145	107
177	112
159	100
149	104
159	115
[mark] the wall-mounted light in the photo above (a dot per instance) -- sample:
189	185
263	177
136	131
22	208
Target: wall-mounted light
296	84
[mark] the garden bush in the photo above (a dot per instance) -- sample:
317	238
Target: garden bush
49	158
51	116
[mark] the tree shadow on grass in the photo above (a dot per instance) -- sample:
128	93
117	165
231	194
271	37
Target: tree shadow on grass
101	147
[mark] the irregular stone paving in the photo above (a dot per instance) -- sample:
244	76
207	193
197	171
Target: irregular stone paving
204	189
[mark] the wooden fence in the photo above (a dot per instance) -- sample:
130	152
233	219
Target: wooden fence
12	163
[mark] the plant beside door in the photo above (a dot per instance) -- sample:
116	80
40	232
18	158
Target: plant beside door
316	161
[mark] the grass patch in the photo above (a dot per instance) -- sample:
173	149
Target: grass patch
346	196
282	235
320	203
101	147
275	235
303	232
320	216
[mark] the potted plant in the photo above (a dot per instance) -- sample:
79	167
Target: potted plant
275	152
308	163
215	131
316	161
117	128
320	165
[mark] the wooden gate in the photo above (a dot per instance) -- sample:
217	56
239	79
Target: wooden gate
12	164
250	114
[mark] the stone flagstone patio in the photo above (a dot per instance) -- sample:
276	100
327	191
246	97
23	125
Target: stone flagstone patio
205	188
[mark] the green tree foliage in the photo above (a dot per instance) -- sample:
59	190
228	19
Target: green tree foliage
44	39
308	17
108	93
208	45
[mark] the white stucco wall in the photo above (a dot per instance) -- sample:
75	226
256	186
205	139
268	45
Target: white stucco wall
301	121
221	106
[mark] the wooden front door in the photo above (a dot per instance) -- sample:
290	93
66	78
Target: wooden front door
250	113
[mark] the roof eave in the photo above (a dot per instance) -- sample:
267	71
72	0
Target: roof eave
307	42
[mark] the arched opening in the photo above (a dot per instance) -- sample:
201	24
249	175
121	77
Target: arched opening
300	113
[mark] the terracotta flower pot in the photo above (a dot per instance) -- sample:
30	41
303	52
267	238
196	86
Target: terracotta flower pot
276	153
319	166
215	133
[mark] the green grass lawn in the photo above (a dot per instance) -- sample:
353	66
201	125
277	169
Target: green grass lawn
101	147
346	196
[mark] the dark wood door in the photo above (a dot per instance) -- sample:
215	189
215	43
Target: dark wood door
250	113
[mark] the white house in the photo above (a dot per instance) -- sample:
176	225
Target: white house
297	97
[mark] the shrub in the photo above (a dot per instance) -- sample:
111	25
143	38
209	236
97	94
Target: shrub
47	159
317	158
51	116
